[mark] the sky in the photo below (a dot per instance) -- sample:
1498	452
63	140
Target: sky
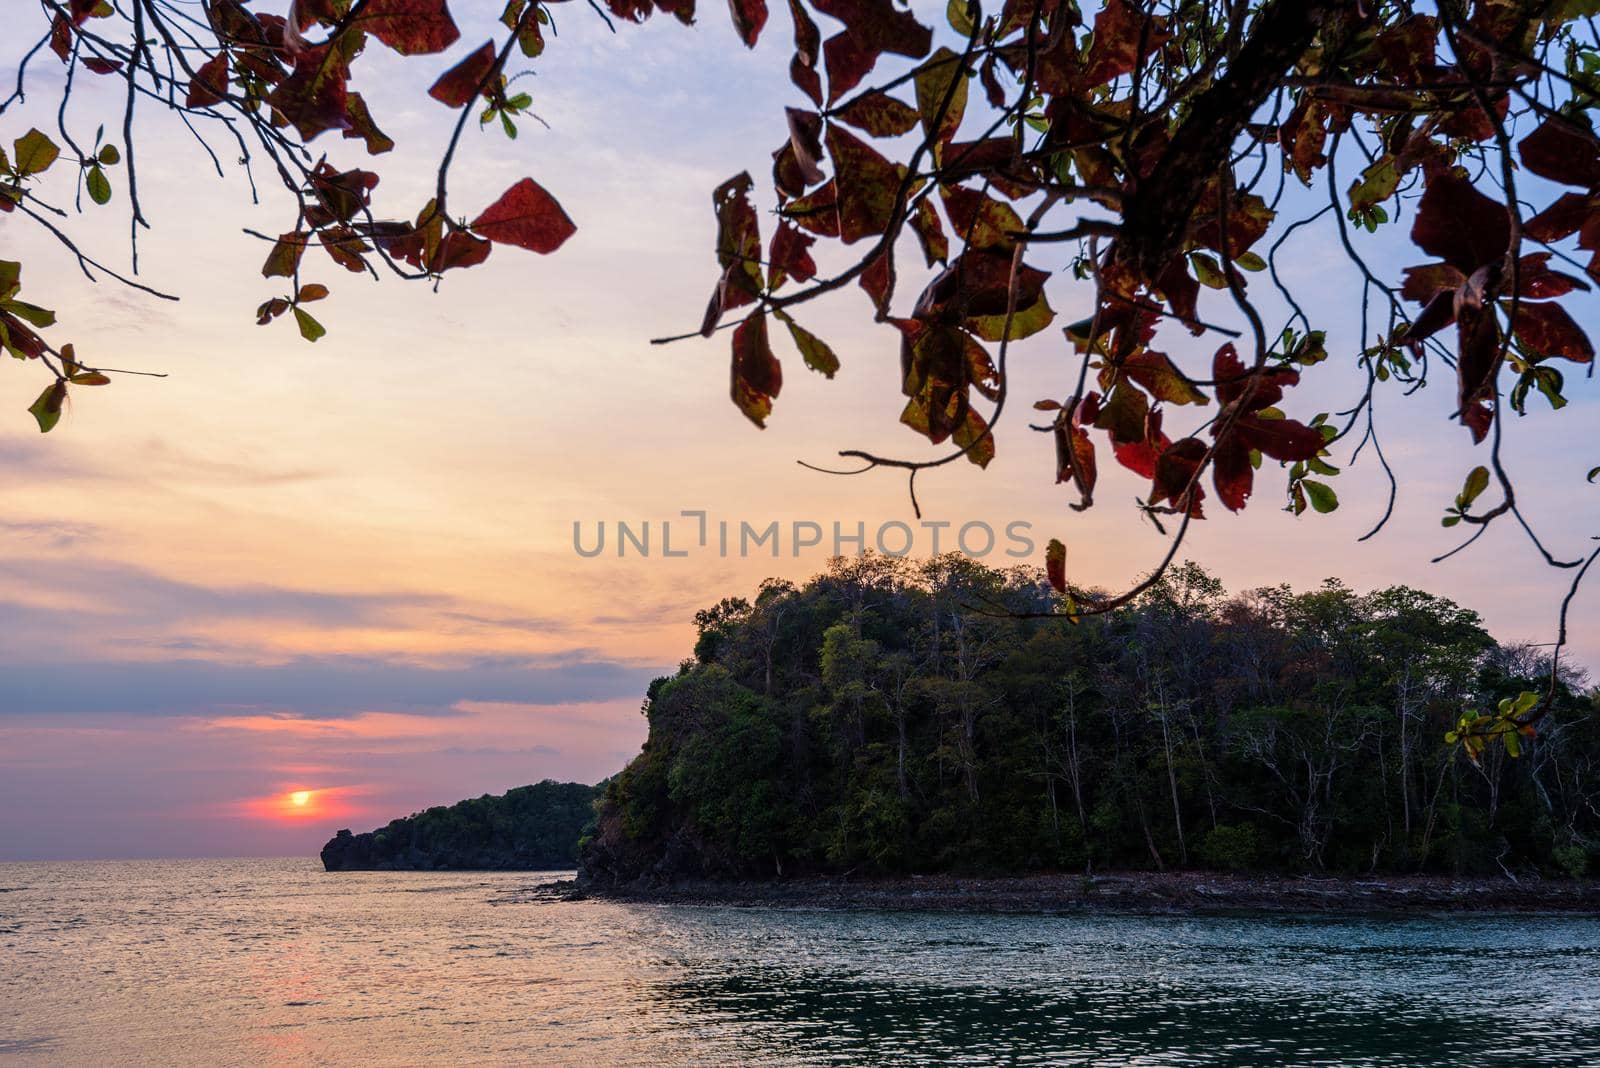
347	569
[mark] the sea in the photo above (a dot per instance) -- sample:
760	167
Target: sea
275	962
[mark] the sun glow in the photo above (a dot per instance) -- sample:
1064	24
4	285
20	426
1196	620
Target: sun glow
300	798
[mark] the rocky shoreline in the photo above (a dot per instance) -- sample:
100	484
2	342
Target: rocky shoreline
1180	893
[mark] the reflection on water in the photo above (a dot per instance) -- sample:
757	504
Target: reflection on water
265	961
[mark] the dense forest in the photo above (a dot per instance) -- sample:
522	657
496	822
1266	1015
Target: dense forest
528	828
892	717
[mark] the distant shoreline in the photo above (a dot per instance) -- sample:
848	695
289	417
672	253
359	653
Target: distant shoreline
1178	893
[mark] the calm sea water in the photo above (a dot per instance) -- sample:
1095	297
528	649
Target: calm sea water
275	962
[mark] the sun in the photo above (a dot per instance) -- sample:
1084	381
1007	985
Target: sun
300	798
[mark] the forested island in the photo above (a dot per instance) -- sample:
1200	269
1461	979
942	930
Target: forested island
889	718
533	828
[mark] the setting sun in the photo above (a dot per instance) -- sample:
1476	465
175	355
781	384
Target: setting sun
300	798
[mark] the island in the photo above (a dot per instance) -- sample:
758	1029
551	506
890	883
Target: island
904	724
530	828
942	734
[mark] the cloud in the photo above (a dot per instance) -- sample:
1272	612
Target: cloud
58	534
313	687
137	595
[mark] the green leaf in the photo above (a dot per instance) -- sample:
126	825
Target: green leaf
1249	261
956	12
47	409
1208	270
99	186
35	152
509	126
1512	743
818	356
1320	467
110	156
1322	497
1477	482
310	329
32	313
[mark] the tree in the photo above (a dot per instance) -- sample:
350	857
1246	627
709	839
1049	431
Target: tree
887	745
1161	151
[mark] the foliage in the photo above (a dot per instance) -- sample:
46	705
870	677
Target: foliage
529	827
872	720
1160	151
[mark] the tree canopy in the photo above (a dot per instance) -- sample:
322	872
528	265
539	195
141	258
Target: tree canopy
1160	151
865	722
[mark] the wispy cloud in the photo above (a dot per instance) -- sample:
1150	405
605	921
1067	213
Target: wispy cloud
311	688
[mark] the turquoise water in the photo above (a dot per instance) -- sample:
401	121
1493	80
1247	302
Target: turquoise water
275	962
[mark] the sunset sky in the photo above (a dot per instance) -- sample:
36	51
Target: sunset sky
346	569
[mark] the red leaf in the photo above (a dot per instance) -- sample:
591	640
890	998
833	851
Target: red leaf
878	280
805	133
806	79
879	114
460	249
1438	313
362	128
1566	216
1175	470
410	27
61	38
1231	379
1459	224
757	375
457	86
210	84
1422	283
748	18
1231	473
1562	154
314	95
1303	135
1156	372
985	154
1478	417
1477	359
1055	565
20	337
738	250
790	254
1140	457
980	220
930	233
866	184
1281	439
977	284
96	65
1536	281
1118	29
1546	330
872	27
817	212
525	216
807	50
1075	462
